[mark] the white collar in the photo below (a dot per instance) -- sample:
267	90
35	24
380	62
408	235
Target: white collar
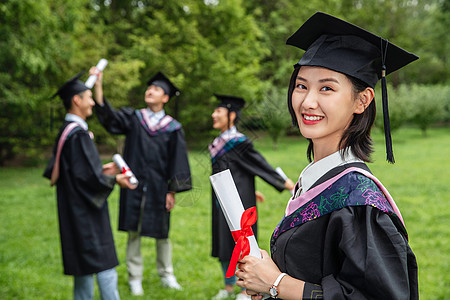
158	115
315	170
74	118
228	132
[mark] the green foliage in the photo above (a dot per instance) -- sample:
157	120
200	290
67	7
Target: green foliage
400	107
430	105
273	112
213	46
30	253
417	104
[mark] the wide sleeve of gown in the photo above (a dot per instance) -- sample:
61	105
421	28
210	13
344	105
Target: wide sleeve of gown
114	121
255	164
365	257
179	171
86	170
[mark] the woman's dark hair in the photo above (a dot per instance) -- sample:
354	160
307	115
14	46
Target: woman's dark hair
357	135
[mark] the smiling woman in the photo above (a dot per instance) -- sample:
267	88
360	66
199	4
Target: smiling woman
342	235
324	107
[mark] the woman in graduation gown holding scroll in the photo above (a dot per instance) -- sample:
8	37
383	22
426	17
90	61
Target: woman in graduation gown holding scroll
234	151
342	235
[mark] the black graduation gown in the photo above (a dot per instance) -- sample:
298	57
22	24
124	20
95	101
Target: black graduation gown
356	252
159	162
86	238
244	163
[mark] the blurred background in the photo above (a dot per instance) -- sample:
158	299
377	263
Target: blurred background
231	47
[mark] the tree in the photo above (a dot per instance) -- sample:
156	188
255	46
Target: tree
429	105
274	113
38	45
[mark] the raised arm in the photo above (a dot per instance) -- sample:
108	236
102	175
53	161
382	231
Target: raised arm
98	86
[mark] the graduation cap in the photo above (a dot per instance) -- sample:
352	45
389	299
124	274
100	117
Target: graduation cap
70	88
340	46
230	102
163	82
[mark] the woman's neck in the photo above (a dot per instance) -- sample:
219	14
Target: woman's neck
322	150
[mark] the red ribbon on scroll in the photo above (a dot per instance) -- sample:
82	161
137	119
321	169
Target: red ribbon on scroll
240	237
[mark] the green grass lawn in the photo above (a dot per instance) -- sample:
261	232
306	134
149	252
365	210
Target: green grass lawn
30	254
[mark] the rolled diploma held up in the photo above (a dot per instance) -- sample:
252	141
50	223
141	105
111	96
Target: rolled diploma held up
125	169
284	176
93	78
231	205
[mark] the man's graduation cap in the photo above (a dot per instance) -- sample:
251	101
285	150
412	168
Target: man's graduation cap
340	46
230	102
70	88
163	82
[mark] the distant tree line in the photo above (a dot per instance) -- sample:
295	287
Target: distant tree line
232	47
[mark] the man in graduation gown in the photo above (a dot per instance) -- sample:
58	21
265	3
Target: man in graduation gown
234	151
82	188
155	150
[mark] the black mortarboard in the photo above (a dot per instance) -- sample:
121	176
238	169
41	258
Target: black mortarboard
230	102
71	87
163	82
340	46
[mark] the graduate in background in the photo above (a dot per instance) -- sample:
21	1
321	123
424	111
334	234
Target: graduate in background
82	188
342	236
155	149
233	150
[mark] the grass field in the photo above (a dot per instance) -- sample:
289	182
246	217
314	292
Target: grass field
30	255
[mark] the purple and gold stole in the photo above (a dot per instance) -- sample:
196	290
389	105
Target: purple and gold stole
221	145
352	187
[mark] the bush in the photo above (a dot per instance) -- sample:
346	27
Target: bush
421	105
429	105
274	112
399	108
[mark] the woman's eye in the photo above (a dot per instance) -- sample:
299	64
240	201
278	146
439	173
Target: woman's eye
326	88
300	86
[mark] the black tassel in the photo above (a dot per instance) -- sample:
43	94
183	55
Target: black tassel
387	124
384	95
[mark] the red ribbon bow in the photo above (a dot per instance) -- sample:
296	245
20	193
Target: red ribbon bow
241	238
124	170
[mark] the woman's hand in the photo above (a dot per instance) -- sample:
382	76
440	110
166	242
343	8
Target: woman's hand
289	185
259	196
257	275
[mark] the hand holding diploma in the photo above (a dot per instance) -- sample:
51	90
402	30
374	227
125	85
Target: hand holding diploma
93	78
239	221
289	185
125	169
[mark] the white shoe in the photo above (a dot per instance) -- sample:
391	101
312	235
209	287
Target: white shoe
136	287
242	296
223	294
170	282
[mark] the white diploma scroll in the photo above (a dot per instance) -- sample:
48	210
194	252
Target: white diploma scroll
124	168
284	176
231	204
93	78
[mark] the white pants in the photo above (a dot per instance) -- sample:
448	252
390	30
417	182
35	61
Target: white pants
135	264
